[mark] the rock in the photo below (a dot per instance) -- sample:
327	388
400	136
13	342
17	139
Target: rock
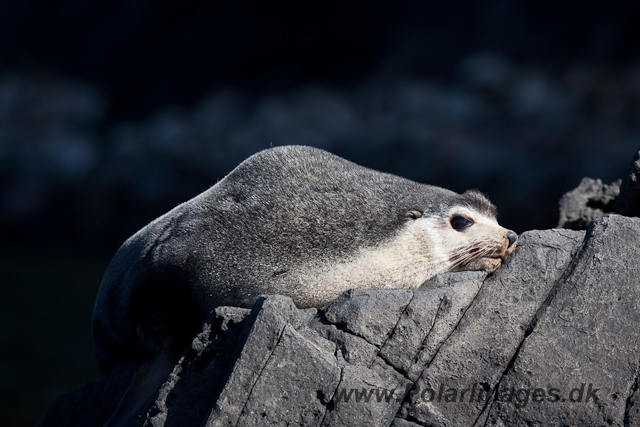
586	339
587	202
559	318
351	349
482	345
271	315
428	320
278	397
367	396
401	422
195	380
628	201
592	199
368	313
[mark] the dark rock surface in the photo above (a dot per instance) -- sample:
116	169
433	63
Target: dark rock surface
587	336
559	319
628	202
484	342
592	199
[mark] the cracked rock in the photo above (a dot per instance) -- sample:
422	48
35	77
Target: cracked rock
483	343
278	397
272	315
585	345
369	313
465	349
351	349
367	396
428	319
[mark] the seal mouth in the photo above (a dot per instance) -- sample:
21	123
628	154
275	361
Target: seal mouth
474	250
477	253
480	256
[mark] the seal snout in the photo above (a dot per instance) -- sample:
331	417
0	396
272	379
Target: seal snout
512	237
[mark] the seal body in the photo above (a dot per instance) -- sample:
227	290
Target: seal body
293	220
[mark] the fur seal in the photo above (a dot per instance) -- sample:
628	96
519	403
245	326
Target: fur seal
291	220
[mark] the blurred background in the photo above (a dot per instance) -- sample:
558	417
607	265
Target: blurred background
112	112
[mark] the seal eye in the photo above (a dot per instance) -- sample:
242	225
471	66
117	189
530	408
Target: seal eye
414	214
460	223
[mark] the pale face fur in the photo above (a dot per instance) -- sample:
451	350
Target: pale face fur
481	246
425	247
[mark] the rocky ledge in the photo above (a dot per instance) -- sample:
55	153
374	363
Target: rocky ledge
550	338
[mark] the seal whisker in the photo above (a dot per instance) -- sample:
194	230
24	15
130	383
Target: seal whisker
465	258
469	253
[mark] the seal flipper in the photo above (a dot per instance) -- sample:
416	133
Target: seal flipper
165	324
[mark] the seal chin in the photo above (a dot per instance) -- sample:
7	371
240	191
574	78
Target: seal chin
490	264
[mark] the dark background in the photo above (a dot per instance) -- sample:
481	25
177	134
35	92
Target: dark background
112	112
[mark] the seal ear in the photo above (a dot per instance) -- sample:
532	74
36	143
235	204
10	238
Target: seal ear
480	202
413	214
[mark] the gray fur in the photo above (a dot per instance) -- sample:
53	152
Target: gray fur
234	242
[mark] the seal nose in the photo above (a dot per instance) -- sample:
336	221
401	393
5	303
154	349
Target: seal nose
512	237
